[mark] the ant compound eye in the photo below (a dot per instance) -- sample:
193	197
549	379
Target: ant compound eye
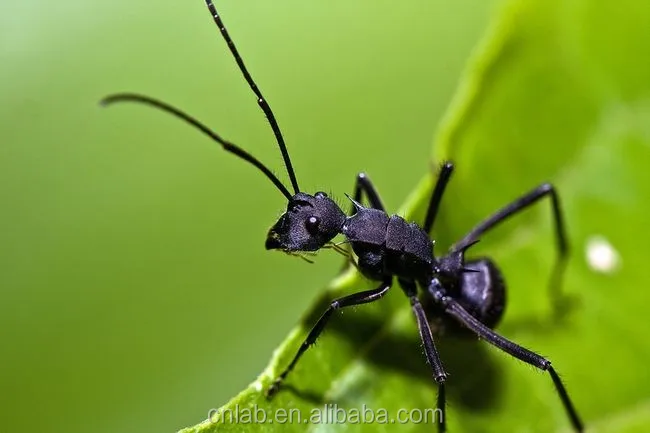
320	194
312	224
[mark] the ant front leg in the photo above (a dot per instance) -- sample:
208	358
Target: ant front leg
436	197
362	185
346	301
521	203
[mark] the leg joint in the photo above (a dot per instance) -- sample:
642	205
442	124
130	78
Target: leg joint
547	187
441	378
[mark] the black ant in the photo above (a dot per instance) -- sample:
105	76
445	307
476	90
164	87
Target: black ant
471	292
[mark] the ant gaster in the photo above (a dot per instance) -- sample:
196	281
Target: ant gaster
387	247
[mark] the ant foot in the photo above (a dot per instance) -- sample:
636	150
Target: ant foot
273	388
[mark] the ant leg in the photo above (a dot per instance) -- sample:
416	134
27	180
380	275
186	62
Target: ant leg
430	351
521	203
346	301
433	359
364	184
455	310
436	197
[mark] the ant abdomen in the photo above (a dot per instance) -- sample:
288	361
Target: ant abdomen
483	292
480	289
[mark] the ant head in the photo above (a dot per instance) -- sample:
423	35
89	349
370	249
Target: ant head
308	224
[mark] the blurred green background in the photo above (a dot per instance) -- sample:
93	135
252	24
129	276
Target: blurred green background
135	292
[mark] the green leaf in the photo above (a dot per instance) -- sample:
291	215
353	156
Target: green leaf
559	91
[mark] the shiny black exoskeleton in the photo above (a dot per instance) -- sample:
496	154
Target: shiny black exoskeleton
469	292
388	246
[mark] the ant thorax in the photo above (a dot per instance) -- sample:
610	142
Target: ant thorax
388	245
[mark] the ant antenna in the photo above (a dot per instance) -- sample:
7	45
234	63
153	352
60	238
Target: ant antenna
227	146
260	99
